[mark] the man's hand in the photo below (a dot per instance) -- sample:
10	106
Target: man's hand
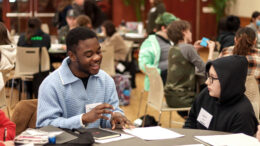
120	121
97	113
211	45
197	45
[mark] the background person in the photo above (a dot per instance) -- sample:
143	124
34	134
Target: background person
157	8
71	23
183	58
245	41
154	50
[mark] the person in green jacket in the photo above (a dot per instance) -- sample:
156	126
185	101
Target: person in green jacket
154	50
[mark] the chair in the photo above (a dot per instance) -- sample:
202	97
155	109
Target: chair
3	103
27	64
24	115
252	92
129	48
156	95
108	64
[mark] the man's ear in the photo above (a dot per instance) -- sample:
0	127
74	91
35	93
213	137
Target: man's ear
72	56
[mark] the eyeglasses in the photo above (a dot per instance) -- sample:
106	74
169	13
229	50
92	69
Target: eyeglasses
210	78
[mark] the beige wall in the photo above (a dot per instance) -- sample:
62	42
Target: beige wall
244	8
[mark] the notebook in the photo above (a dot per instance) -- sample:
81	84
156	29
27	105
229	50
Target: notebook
100	134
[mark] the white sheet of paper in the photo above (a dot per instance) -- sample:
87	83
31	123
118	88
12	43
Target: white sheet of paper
193	145
153	133
123	136
89	107
204	118
239	139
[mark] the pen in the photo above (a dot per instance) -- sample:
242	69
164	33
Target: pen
5	133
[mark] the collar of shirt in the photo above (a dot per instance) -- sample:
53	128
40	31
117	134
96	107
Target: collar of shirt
67	76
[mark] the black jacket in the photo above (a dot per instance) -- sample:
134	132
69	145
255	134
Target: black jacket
232	112
40	39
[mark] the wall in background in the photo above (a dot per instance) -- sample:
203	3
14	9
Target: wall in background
245	8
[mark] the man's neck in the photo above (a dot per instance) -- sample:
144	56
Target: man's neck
76	72
182	42
71	27
163	34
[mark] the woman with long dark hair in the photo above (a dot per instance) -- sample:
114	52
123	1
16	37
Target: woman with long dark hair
96	15
115	39
245	45
34	36
157	7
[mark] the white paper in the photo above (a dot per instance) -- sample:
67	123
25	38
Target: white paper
193	145
123	136
153	133
56	46
239	139
89	107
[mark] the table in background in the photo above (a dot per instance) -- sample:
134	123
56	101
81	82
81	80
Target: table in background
56	55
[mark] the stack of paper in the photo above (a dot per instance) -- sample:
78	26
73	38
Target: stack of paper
230	140
153	133
35	136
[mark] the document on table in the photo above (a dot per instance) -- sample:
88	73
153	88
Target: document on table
239	139
153	133
193	145
121	137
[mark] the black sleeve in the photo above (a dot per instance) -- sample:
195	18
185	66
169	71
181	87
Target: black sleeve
47	41
191	122
245	123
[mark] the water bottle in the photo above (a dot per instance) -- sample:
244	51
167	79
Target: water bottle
126	93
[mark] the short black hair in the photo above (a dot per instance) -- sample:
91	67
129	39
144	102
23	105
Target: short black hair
254	15
233	23
77	34
109	27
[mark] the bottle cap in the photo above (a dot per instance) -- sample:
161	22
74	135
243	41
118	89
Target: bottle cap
52	139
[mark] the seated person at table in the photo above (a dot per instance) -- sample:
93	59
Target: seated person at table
154	50
83	21
7	58
116	40
80	94
245	45
10	127
71	23
223	106
34	36
182	60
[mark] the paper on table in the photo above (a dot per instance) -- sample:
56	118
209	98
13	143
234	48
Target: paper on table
239	139
123	136
153	133
192	145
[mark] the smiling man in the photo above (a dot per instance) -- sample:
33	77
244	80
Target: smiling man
79	94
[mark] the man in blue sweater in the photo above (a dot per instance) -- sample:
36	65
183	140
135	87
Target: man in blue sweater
79	94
